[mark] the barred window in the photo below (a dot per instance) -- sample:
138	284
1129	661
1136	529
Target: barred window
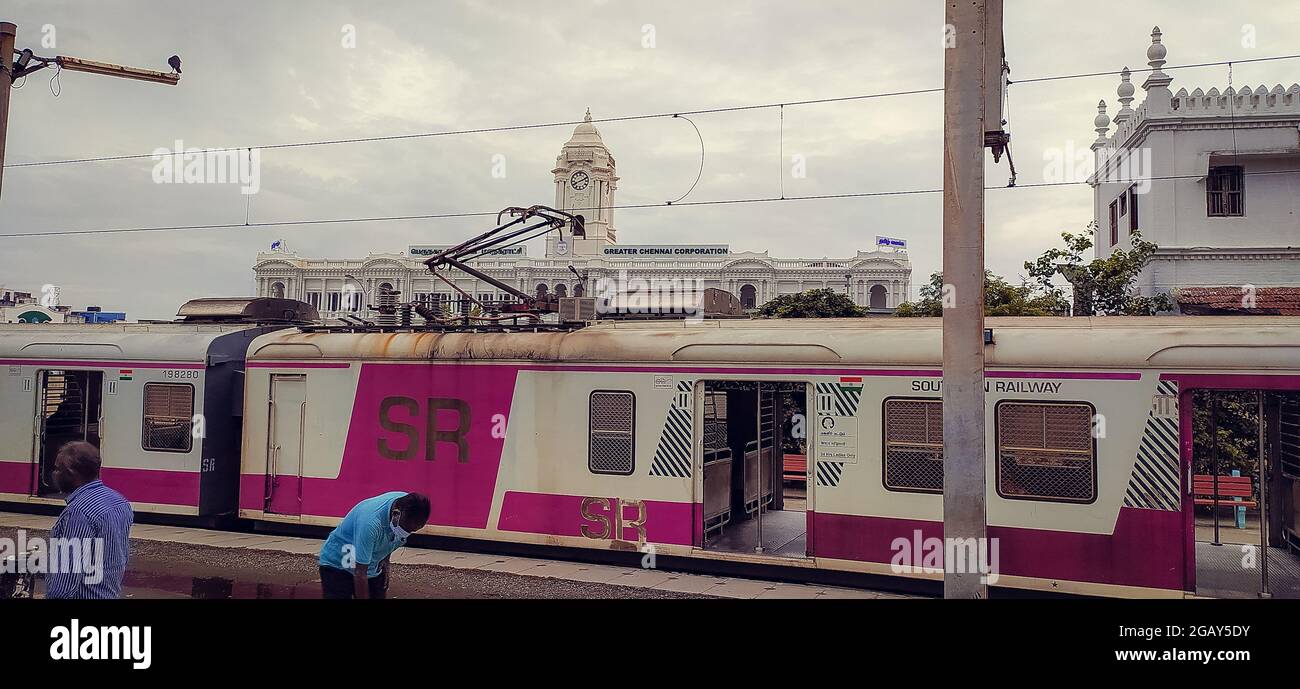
1225	189
914	445
1046	452
613	426
168	417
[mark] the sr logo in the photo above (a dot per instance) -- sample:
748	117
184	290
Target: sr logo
409	410
607	518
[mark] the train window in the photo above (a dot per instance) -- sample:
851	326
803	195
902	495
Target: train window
914	445
168	417
613	425
1046	452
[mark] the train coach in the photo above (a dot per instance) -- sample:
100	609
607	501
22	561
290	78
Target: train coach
162	401
671	438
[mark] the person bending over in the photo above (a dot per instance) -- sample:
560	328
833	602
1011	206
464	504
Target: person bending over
354	560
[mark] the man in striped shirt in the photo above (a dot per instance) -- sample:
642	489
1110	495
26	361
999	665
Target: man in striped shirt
96	516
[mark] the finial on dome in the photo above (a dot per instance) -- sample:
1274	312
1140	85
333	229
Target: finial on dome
1102	124
1156	59
1125	92
588	117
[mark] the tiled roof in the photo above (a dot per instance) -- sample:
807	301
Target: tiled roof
1267	301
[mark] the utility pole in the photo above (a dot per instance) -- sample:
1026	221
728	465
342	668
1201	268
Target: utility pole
971	25
8	34
28	62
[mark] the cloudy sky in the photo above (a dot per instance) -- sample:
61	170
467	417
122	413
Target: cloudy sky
261	73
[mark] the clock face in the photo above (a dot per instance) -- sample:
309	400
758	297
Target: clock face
579	180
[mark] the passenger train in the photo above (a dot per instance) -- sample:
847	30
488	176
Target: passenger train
666	436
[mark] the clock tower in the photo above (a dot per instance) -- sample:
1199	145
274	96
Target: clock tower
585	181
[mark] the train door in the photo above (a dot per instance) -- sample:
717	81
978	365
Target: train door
1245	480
71	406
286	417
754	468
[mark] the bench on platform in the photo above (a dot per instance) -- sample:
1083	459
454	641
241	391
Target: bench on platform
1229	488
795	468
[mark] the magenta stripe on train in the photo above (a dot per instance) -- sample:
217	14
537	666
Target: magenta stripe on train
137	485
1144	550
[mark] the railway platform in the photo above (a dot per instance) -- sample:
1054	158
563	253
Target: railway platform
181	562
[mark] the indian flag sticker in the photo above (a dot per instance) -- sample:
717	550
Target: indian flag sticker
124	374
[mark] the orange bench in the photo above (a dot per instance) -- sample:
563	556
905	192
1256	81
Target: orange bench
795	468
1230	487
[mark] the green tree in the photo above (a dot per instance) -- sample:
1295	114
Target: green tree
1102	285
815	303
1001	298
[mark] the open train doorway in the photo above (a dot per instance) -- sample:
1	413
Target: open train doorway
1246	492
755	468
71	404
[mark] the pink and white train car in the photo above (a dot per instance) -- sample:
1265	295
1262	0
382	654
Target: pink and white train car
162	401
672	436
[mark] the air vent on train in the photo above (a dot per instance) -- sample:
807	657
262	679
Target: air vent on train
577	309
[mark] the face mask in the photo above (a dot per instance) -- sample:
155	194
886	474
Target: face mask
397	529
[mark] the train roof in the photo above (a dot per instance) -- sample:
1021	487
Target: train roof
1253	342
112	341
190	339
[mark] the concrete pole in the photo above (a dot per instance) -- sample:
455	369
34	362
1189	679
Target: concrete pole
963	298
8	34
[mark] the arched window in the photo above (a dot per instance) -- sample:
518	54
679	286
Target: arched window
542	290
579	290
748	297
561	291
879	297
277	290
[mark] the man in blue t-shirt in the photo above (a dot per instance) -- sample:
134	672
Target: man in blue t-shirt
354	559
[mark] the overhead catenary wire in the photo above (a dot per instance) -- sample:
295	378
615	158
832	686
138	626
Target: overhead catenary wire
452	215
621	118
634	206
482	130
700	174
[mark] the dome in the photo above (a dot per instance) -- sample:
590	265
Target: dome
586	133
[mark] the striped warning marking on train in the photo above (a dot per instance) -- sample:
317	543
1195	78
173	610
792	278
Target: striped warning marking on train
1154	485
829	473
673	456
838	399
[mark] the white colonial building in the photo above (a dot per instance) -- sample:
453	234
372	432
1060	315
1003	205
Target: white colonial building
1210	177
585	181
